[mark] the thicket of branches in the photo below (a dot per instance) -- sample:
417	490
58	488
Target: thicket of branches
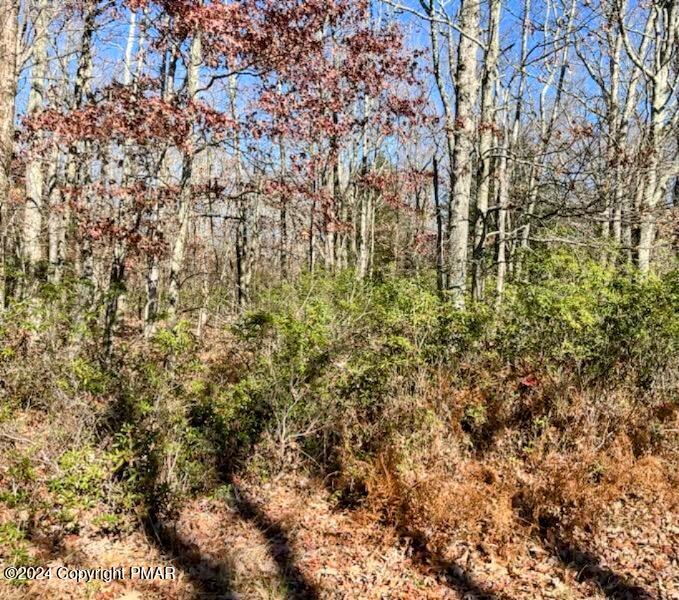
170	157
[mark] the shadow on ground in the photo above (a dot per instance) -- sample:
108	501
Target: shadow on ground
210	579
454	575
297	586
213	579
589	568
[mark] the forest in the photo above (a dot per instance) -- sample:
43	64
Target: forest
339	299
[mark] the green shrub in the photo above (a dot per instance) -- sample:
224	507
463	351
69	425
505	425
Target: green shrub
329	351
89	376
574	313
13	547
557	312
174	341
81	479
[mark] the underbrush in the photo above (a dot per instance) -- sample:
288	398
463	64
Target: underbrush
478	423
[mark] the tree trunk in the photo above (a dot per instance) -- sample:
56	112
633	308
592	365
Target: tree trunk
8	59
152	306
32	234
185	197
662	27
503	198
365	208
283	220
440	282
486	136
655	185
466	94
449	124
117	280
246	249
364	201
54	224
76	168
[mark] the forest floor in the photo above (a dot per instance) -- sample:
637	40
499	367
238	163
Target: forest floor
289	538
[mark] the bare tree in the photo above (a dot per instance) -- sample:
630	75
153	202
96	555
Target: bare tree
185	196
33	248
466	90
8	74
663	21
486	136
